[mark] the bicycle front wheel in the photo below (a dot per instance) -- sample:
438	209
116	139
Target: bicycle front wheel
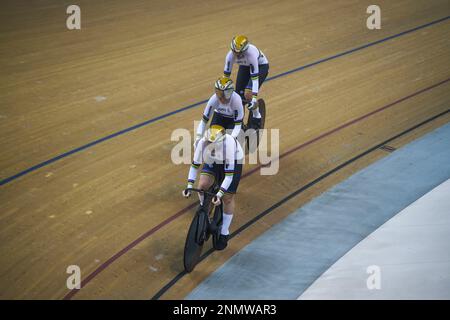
194	242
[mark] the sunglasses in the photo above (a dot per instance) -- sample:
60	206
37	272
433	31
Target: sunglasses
224	93
239	54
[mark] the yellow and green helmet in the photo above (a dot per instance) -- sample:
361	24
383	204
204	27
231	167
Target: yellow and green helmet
215	133
224	86
239	44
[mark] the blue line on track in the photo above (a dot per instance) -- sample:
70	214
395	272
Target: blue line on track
118	133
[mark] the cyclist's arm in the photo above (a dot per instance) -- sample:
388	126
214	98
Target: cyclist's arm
229	60
254	71
205	118
229	166
196	163
238	116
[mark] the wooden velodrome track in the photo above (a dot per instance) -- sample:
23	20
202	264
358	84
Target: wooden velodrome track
114	207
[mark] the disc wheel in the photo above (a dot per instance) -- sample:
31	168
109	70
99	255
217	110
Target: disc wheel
194	242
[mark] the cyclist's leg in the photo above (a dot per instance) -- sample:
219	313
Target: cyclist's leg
228	211
207	177
229	206
243	76
248	92
263	72
226	122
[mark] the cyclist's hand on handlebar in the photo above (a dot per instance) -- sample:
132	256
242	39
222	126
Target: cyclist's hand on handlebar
216	201
253	104
186	193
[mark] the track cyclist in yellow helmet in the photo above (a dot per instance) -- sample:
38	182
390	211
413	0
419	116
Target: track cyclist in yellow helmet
221	156
253	70
227	107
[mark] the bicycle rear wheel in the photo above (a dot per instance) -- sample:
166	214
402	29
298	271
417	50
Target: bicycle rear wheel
194	241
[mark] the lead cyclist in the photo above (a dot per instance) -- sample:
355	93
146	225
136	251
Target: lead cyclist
221	155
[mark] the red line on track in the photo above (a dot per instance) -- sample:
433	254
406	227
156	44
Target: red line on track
150	232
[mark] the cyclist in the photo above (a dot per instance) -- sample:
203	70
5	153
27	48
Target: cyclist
253	70
227	107
221	155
